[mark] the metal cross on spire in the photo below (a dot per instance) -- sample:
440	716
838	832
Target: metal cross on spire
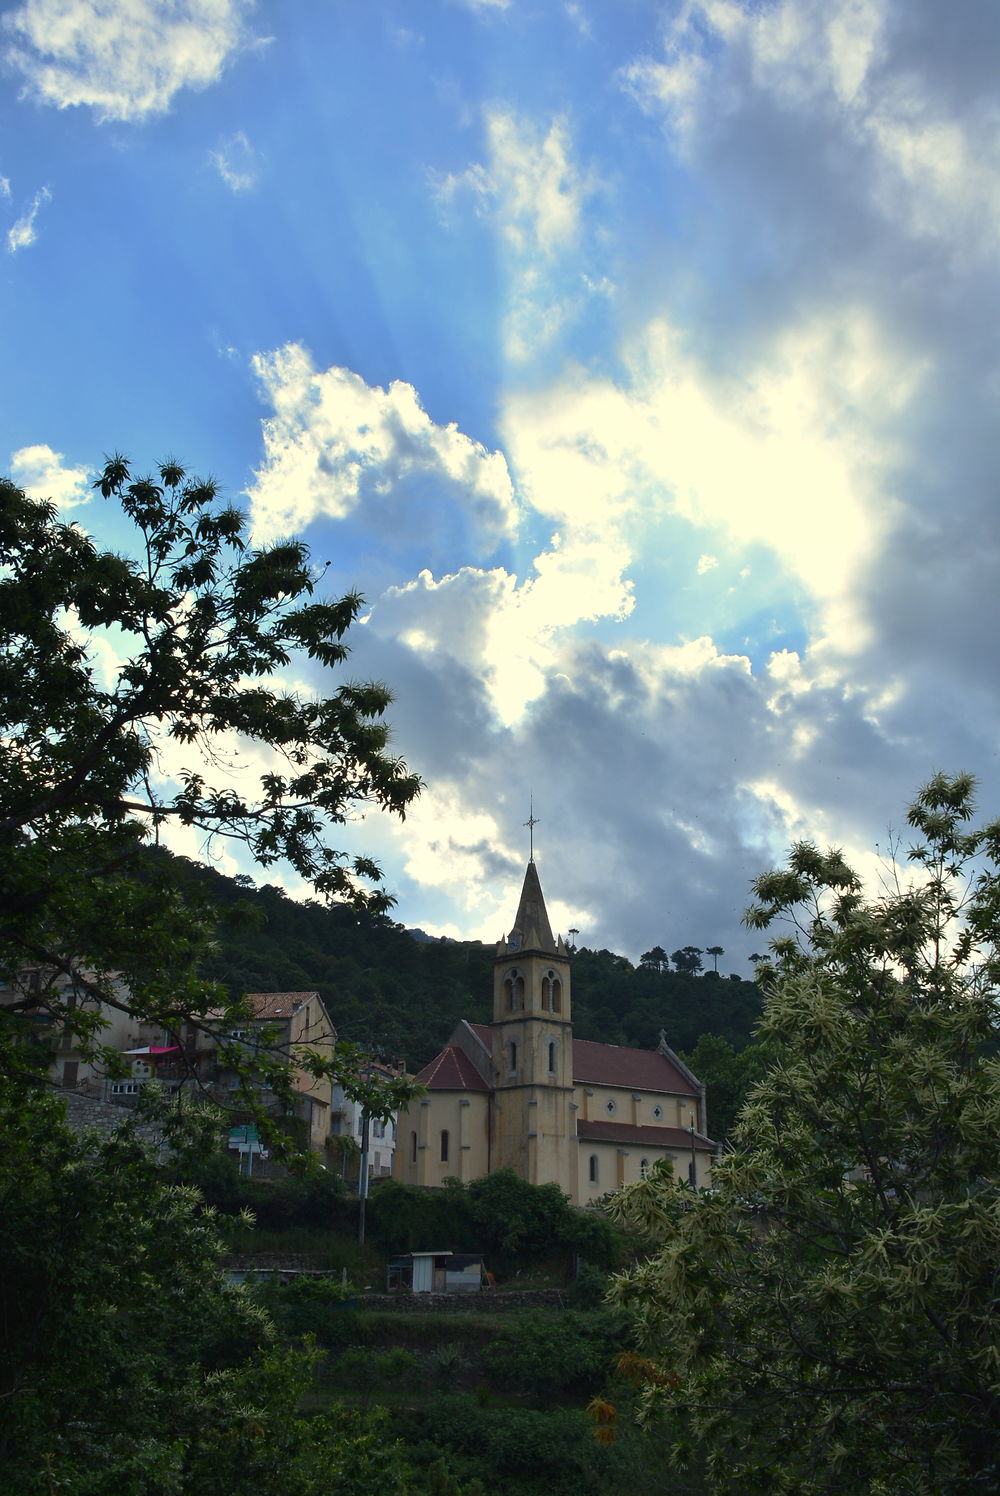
531	823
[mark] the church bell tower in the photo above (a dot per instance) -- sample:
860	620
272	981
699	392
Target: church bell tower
533	1119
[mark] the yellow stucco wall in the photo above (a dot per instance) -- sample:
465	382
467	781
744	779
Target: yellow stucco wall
464	1117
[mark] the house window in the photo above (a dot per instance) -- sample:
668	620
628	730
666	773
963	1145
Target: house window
643	1167
552	1057
512	1057
593	1168
611	1107
657	1112
413	1147
444	1145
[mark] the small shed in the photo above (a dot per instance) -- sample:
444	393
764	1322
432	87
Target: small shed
436	1272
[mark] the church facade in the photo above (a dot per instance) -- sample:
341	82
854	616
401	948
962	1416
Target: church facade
521	1093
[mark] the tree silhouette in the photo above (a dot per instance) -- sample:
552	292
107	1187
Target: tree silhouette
656	959
688	959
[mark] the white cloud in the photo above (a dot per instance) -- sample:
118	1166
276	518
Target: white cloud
579	18
4	186
791	455
237	162
706	563
533	191
23	233
125	59
505	632
531	184
335	443
44	474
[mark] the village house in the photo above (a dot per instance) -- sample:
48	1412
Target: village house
280	1026
347	1130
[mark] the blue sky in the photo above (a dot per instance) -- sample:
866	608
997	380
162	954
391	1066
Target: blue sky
638	361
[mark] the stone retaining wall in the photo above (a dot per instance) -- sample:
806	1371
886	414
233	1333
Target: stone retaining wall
490	1301
87	1113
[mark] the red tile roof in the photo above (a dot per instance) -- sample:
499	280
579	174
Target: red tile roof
652	1137
616	1065
277	1004
452	1070
638	1069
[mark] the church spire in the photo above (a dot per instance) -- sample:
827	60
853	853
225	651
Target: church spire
531	930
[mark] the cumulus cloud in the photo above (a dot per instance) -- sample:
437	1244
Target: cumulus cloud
23	233
126	62
237	162
44	474
502	631
336	444
790	455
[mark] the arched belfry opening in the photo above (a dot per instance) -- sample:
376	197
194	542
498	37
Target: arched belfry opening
513	986
551	993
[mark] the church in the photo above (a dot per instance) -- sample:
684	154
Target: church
521	1093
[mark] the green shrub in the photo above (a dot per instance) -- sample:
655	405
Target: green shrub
445	1364
524	1450
549	1356
590	1287
515	1225
397	1368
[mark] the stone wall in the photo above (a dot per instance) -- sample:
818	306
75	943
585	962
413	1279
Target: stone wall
85	1113
490	1301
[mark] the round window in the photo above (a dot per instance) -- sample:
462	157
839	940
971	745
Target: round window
657	1111
612	1108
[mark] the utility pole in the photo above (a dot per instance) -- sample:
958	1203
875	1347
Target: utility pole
363	1172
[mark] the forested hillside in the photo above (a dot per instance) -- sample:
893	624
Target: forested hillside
402	996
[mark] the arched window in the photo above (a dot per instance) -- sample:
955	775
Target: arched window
593	1168
514	988
413	1147
552	1057
551	993
512	1057
444	1145
643	1167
